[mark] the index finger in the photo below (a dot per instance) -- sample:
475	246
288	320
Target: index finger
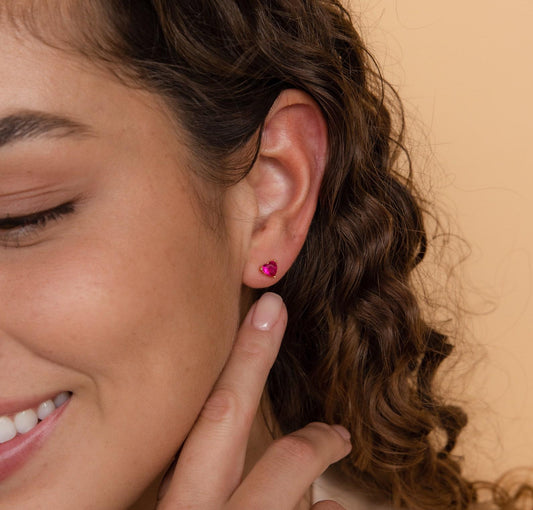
211	462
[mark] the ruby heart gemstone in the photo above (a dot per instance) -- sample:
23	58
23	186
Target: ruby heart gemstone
270	269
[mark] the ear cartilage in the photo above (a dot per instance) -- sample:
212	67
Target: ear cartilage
270	269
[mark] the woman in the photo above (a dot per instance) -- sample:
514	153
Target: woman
162	164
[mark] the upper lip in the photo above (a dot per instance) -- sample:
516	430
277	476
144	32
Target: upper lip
13	406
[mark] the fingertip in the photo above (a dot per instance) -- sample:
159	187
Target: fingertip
346	440
343	432
267	311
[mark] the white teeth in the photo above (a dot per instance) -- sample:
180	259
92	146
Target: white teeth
7	429
25	421
45	409
61	399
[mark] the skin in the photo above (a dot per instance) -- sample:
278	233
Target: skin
135	302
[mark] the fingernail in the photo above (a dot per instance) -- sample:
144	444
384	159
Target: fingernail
342	432
267	311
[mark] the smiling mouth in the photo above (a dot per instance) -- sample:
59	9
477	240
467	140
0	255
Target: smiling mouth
24	421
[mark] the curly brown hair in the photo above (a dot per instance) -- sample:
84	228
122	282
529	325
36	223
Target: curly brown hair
357	350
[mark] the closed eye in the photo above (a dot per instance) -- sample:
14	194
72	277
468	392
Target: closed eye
15	229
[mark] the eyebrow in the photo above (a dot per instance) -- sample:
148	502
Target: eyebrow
30	124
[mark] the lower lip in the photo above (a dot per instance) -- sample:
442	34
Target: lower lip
14	453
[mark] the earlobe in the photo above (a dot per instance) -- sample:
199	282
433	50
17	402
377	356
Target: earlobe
285	182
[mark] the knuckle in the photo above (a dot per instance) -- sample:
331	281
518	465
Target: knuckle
256	347
222	406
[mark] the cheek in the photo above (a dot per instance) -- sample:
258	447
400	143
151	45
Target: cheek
138	329
132	306
141	317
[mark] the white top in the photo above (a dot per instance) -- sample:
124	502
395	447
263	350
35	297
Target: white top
330	487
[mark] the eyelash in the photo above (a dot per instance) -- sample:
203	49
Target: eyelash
15	229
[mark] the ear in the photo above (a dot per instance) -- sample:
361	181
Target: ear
285	181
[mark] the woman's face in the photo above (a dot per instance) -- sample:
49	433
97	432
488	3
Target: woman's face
126	299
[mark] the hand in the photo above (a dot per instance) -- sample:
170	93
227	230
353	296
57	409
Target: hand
209	470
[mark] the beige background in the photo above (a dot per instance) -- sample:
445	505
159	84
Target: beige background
465	72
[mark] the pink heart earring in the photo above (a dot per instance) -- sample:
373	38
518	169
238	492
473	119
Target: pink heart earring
269	269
